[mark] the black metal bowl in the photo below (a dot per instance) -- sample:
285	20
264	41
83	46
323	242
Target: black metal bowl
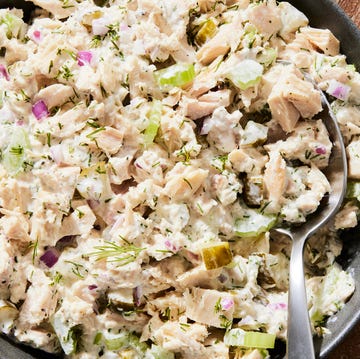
322	14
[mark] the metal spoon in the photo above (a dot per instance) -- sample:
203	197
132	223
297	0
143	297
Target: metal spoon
299	337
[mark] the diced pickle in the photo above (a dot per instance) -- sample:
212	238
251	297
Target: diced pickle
8	313
88	18
253	191
206	32
217	256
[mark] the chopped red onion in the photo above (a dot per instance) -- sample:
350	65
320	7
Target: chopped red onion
321	150
50	257
226	303
92	286
137	294
40	110
84	58
100	26
4	73
338	90
19	123
36	36
171	246
277	306
193	256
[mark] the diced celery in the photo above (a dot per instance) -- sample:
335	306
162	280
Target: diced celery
8	313
14	155
254	223
116	343
154	123
68	335
240	338
267	56
217	255
247	353
254	133
177	75
206	32
93	182
125	342
14	25
245	74
353	190
157	352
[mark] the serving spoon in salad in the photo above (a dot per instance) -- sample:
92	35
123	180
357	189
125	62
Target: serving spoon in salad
299	336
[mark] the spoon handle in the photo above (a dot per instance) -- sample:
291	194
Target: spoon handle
299	338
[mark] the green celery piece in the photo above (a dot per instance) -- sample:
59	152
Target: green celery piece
254	223
353	190
125	340
68	335
157	352
240	338
267	56
245	74
116	343
14	155
14	25
154	123
177	75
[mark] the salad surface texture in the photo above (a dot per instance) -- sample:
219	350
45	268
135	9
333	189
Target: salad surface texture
147	149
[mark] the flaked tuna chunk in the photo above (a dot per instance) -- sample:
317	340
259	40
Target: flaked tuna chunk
283	111
206	104
54	95
292	97
209	306
275	180
353	151
228	37
265	17
322	39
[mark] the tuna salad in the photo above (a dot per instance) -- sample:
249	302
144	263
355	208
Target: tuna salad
147	149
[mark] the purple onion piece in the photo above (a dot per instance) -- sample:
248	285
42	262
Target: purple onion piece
226	303
50	257
40	110
321	150
137	294
84	57
277	306
92	286
4	73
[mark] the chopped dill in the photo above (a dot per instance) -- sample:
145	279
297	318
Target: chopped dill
115	253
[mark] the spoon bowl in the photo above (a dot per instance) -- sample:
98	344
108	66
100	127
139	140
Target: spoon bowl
299	335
